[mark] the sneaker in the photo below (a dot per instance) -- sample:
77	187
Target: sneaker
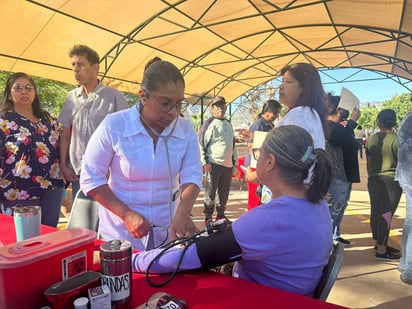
225	218
387	256
404	280
389	249
392	249
344	241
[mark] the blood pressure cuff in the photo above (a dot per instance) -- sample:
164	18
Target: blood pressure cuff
218	248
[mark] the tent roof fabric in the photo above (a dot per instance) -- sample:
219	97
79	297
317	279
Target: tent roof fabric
224	47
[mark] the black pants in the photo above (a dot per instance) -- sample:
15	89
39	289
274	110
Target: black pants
384	194
218	181
359	142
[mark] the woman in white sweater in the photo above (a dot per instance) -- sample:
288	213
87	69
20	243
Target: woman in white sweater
302	93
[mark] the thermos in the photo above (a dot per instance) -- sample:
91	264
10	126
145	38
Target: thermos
27	221
116	270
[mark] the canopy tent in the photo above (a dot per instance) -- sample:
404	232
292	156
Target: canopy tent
224	47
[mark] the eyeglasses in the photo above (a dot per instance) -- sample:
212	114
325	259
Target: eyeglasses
256	153
166	107
20	88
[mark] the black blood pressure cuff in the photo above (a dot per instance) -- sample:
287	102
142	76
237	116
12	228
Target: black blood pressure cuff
218	249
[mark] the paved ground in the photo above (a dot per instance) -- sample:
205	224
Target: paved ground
363	282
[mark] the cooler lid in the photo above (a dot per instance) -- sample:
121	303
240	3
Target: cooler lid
37	248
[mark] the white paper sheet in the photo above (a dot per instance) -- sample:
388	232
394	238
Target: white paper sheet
348	100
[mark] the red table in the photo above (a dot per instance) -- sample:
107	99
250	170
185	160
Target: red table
8	232
201	289
215	290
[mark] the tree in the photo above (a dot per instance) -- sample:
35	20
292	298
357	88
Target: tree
52	94
401	104
368	118
252	102
196	119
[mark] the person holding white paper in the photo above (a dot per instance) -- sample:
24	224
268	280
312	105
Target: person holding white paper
259	128
348	100
342	149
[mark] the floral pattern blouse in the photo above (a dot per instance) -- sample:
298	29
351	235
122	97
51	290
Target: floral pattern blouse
29	157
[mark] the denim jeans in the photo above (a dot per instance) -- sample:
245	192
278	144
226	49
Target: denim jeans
51	202
339	194
359	142
405	264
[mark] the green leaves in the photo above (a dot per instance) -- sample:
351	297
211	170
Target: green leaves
401	104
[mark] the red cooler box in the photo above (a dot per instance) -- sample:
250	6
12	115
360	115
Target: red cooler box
29	267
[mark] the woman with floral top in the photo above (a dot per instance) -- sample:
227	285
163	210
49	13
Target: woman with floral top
29	152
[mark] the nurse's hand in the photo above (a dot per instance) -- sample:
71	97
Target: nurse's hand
137	225
183	225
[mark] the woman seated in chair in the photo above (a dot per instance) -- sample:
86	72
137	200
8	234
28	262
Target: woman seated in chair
284	243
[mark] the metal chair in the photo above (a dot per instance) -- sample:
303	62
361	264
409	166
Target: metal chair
84	213
330	272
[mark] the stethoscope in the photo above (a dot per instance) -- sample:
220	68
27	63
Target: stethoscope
165	138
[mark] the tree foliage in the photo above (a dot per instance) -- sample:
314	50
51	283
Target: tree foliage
401	104
196	121
368	117
252	102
